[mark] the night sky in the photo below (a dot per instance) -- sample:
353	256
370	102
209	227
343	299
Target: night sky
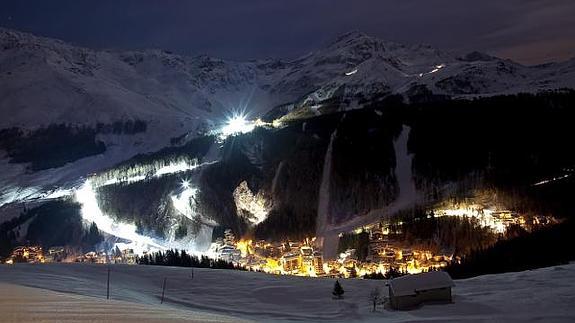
528	31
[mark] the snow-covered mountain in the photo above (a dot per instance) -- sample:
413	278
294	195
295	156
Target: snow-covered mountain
46	82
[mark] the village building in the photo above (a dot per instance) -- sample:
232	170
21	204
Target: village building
56	254
408	292
290	263
30	254
318	263
230	253
127	257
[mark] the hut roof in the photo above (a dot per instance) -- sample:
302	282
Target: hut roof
411	284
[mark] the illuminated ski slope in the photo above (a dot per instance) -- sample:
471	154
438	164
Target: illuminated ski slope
183	202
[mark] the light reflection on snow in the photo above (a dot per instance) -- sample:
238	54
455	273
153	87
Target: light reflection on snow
147	171
351	72
16	194
174	168
435	70
58	193
85	194
494	219
551	180
237	124
255	204
13	195
91	212
183	202
128	180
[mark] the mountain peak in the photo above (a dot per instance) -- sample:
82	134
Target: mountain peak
349	36
351	39
355	44
476	56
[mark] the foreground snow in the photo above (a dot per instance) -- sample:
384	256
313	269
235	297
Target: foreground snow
541	295
25	304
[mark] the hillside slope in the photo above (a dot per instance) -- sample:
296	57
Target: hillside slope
71	112
47	306
531	296
46	81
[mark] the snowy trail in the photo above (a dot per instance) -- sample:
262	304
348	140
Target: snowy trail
276	176
403	170
544	295
183	202
407	197
324	190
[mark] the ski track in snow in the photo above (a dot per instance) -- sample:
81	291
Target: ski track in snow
276	176
48	306
407	197
403	170
324	190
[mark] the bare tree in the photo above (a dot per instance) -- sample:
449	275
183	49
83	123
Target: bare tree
375	298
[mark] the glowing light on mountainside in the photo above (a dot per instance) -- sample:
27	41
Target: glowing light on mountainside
435	70
15	194
91	212
351	72
178	167
551	180
247	202
496	219
142	172
185	201
237	124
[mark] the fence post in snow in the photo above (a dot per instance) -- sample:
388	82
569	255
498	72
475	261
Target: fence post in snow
108	285
163	290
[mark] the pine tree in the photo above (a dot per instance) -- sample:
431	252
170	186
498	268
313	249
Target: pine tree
93	236
393	273
337	290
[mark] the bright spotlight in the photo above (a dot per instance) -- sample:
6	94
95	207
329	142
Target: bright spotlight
237	124
185	184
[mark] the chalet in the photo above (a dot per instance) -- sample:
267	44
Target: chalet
410	291
407	254
290	262
318	263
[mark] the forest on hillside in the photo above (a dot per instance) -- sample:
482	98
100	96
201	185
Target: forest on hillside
504	143
54	223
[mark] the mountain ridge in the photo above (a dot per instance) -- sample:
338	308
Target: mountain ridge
152	84
45	82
